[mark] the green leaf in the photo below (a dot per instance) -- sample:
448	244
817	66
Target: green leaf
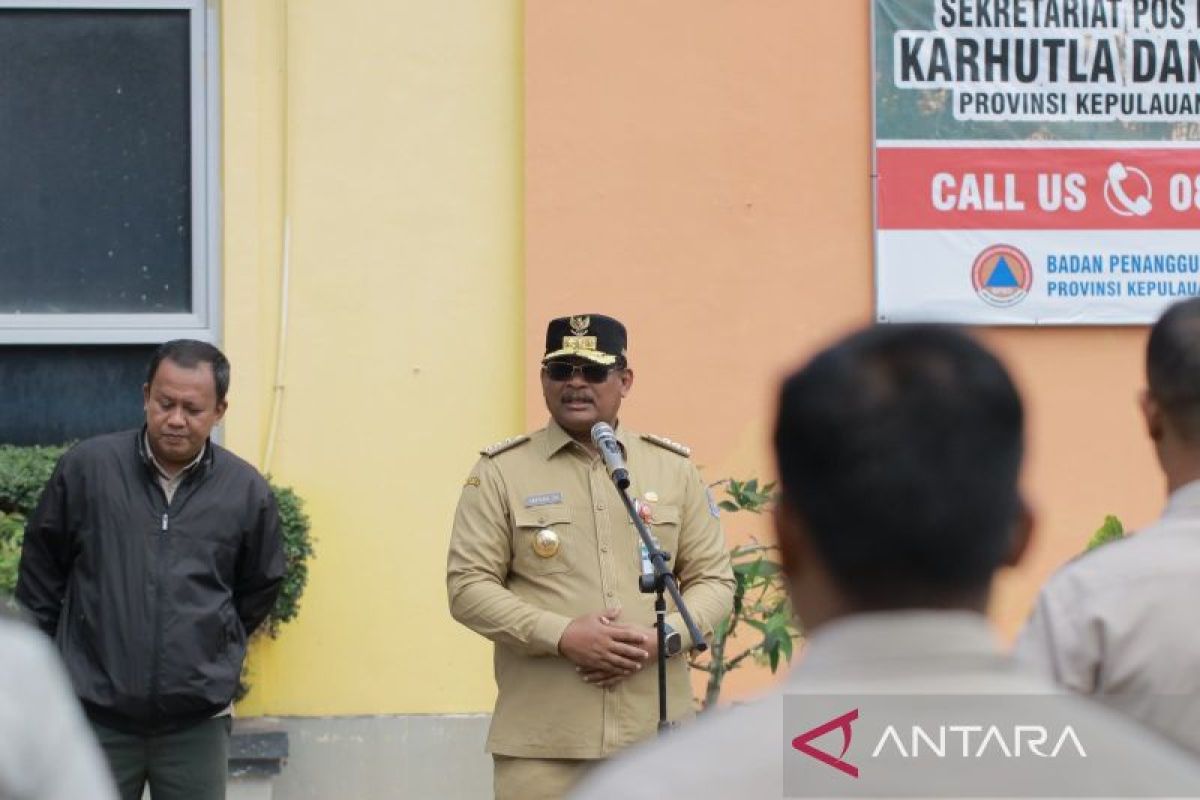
725	505
780	618
1109	531
768	568
785	644
749	571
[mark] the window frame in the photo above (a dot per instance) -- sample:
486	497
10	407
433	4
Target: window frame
148	328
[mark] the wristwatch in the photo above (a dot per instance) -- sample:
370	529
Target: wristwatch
673	640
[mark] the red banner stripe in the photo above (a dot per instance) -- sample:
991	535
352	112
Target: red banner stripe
1038	188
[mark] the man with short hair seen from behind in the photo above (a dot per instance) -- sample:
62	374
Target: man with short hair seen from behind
1118	623
898	449
151	557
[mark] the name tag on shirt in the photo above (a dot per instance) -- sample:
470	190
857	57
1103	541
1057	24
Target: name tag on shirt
545	499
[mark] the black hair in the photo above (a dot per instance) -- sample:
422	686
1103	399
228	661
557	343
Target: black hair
190	353
1173	366
899	449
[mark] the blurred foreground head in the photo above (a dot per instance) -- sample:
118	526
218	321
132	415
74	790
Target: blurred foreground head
898	451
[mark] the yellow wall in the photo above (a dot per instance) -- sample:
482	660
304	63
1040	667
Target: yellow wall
390	134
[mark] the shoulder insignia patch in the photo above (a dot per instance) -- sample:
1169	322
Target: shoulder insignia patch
664	442
499	447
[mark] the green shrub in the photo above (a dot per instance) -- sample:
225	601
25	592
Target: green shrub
23	473
12	531
297	549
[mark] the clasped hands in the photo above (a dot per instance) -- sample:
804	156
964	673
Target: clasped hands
606	651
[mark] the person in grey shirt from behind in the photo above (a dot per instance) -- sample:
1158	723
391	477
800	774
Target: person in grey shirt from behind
47	750
899	451
1119	622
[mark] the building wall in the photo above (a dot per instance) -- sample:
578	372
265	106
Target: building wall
388	134
702	170
457	172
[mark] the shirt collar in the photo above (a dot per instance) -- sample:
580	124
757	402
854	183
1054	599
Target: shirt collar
893	637
557	438
1184	501
158	467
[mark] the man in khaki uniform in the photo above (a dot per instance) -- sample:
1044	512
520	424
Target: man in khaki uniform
544	561
899	450
1119	623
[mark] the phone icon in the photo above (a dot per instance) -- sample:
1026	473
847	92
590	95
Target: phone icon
1118	199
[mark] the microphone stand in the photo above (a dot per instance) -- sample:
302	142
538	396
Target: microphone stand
662	580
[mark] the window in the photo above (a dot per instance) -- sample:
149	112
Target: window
58	394
108	212
107	223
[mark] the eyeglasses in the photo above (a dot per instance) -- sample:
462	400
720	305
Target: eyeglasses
564	371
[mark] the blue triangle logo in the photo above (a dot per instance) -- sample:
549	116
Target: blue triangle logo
1002	277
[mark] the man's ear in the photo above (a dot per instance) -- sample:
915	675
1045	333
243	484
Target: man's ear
816	597
1022	534
792	542
1152	414
626	381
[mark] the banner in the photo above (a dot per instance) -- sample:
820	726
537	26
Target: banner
1036	161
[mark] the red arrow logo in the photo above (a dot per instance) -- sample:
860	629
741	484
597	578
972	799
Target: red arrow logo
801	742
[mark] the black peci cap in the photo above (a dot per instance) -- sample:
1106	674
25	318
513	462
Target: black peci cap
594	337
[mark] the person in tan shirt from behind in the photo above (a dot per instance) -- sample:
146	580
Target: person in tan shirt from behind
1119	623
544	561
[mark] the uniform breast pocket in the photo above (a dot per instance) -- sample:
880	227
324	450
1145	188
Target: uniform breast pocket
542	542
664	527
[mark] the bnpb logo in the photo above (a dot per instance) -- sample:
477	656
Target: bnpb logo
1002	276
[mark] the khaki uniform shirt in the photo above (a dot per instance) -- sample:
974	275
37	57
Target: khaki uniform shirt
170	483
500	587
740	753
1120	623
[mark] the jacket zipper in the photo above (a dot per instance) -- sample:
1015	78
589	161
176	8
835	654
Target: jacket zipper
164	527
155	666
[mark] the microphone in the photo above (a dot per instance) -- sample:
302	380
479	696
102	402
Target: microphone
610	450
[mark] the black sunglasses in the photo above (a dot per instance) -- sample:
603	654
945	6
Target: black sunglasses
564	371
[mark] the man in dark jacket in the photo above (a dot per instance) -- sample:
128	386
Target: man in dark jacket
151	557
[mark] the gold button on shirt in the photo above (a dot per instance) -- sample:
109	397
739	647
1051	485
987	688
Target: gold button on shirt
540	537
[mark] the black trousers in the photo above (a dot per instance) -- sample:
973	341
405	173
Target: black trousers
190	764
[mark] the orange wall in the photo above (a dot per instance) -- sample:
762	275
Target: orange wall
700	169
